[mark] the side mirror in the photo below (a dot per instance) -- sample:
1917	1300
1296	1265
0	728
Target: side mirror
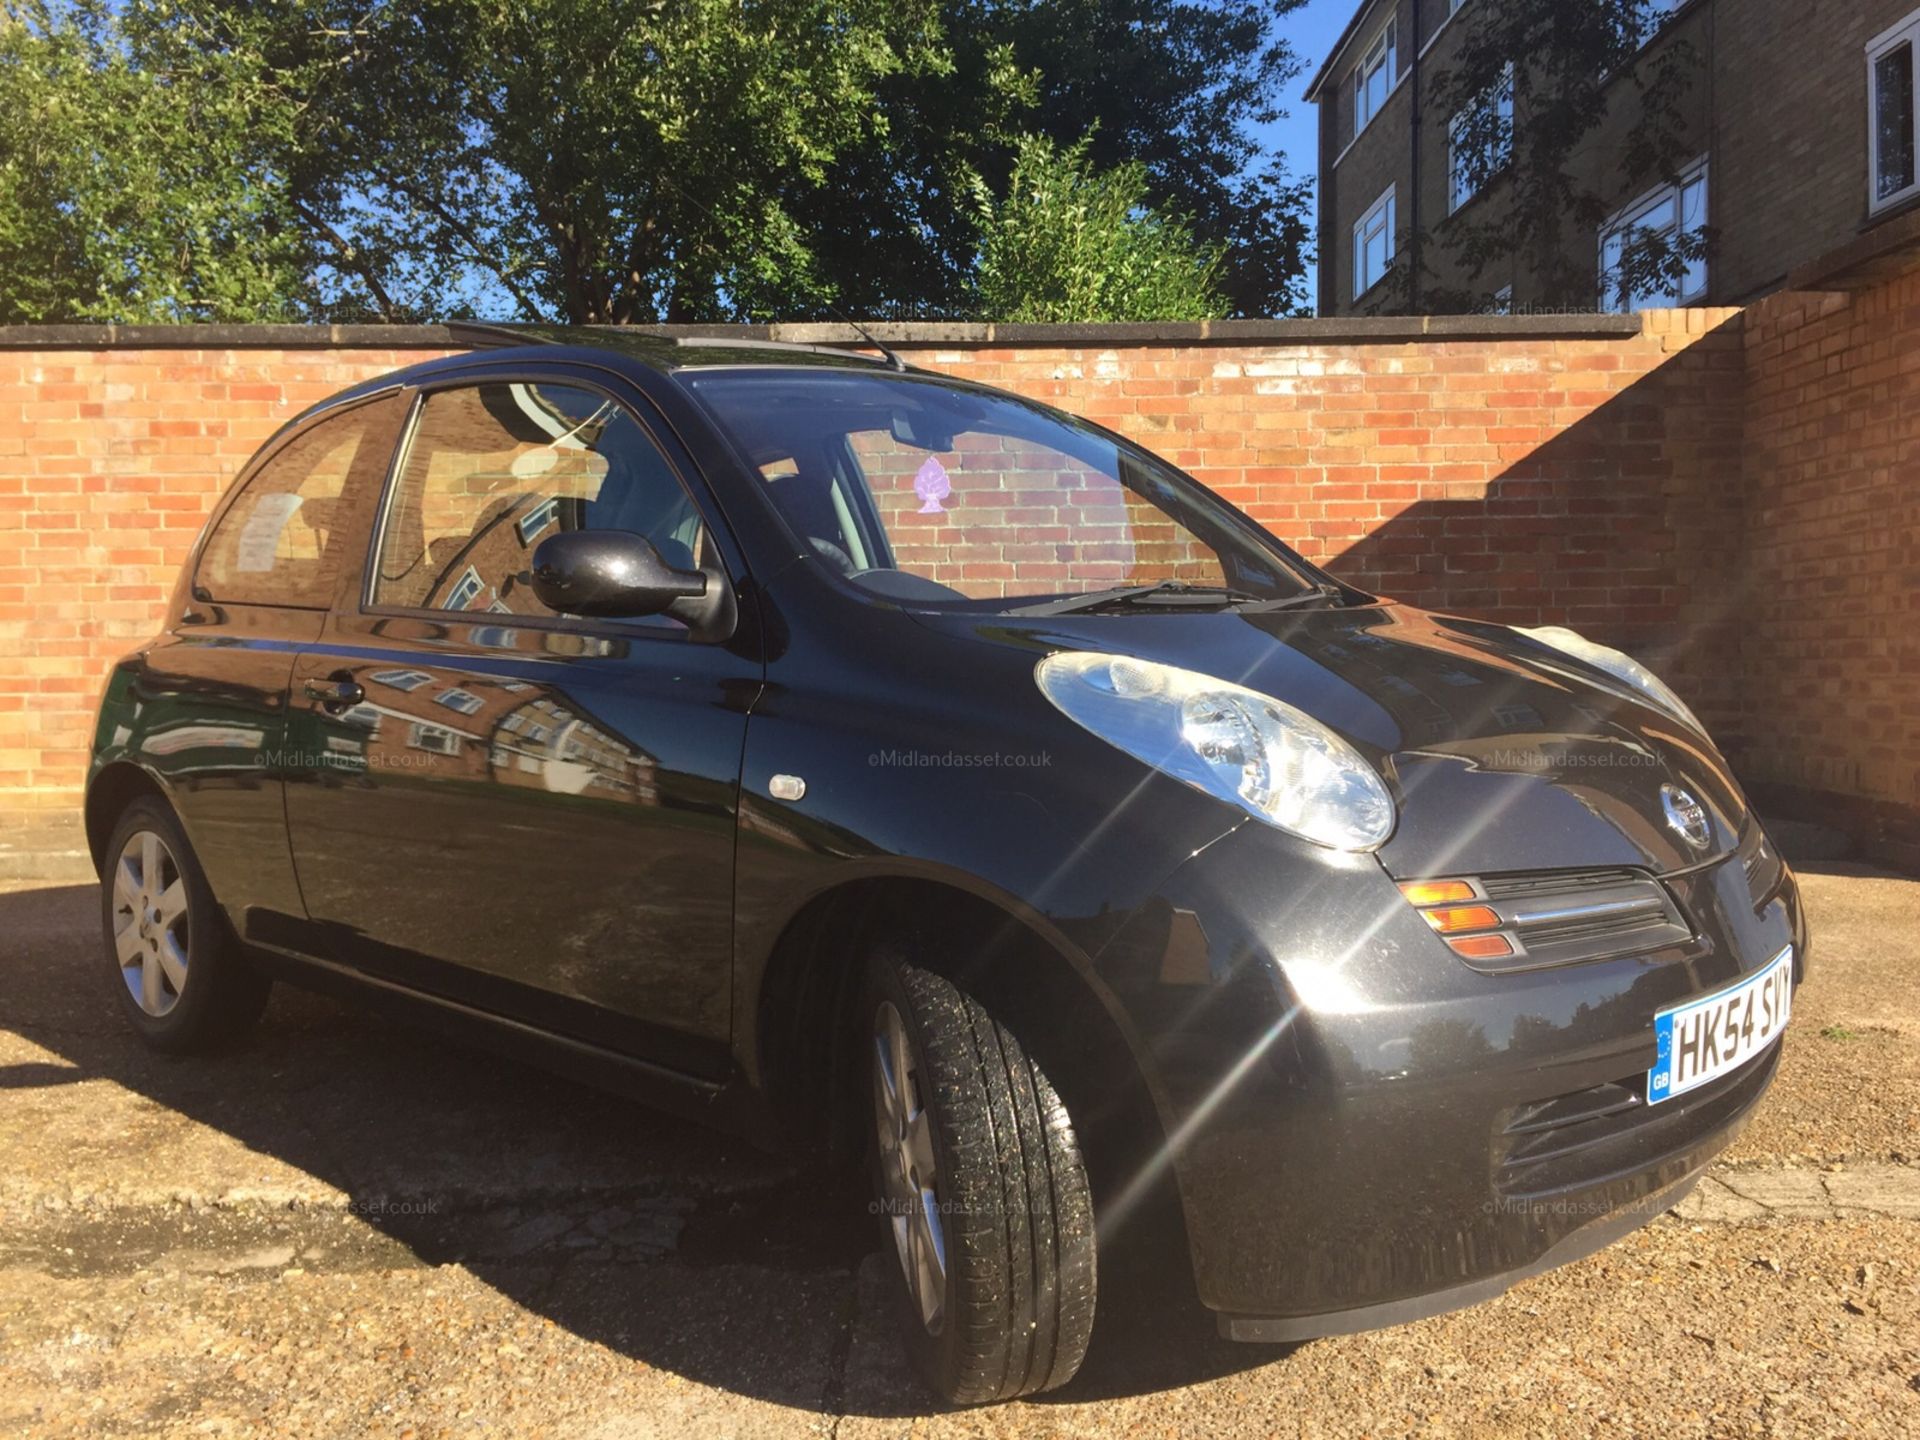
615	573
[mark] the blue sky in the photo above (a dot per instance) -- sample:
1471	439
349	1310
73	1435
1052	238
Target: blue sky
1312	29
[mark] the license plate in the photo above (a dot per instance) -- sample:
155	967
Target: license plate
1707	1037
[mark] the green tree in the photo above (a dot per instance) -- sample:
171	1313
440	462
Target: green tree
1072	243
1180	86
594	161
1569	69
138	188
604	160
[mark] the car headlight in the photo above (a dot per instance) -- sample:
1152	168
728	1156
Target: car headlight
1277	763
1620	665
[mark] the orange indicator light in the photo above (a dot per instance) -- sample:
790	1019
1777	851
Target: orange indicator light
1482	947
1453	920
1436	892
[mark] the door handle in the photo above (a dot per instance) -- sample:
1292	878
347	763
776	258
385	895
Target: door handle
337	693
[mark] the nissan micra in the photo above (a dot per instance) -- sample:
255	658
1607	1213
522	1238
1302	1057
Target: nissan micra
894	769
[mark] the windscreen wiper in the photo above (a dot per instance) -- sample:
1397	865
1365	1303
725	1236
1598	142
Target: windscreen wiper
1172	594
1321	594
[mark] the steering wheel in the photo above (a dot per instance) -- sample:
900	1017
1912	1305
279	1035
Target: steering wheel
833	555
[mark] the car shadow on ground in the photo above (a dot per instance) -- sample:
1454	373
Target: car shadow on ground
668	1243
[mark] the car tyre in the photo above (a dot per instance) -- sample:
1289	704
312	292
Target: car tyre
181	976
983	1193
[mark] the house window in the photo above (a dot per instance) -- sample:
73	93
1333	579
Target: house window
1374	76
1373	245
1670	214
1891	132
466	590
432	737
537	519
465	701
1502	301
402	679
1480	142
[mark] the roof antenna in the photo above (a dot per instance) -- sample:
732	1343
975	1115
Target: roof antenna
865	334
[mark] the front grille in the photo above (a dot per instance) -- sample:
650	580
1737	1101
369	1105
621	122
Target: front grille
1567	1123
1563	917
1588	1136
1528	884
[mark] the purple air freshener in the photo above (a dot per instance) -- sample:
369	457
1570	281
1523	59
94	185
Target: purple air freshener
931	484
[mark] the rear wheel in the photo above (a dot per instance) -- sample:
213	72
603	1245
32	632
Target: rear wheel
178	971
982	1191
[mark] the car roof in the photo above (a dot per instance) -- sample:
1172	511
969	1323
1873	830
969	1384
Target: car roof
647	347
651	347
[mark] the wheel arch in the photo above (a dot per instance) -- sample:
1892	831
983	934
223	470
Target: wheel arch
803	1047
112	788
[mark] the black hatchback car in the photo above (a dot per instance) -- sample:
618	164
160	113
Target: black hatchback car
887	766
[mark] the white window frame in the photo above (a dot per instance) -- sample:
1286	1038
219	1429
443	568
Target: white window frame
1907	32
1457	195
537	519
436	739
1628	218
1379	214
1382	51
1454	7
402	679
467	589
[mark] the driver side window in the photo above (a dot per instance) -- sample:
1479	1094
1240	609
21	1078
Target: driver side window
493	469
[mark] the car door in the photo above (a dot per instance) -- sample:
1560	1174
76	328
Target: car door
206	705
522	811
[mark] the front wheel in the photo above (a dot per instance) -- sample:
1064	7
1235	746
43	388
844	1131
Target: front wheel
982	1190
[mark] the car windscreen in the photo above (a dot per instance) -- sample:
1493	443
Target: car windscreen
941	494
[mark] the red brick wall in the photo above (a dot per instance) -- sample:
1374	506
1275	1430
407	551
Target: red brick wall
1831	601
1524	476
109	463
1031	520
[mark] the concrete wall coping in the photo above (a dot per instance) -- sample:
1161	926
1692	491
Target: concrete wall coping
1345	330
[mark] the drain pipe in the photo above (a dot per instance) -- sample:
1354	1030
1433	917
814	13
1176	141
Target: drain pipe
1413	200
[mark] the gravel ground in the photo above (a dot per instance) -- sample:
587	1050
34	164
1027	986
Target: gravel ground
354	1229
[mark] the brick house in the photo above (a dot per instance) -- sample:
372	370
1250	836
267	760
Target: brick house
1799	121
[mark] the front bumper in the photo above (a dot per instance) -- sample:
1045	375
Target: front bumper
1593	1236
1366	1130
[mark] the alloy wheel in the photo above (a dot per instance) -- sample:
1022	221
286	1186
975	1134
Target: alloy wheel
150	920
909	1172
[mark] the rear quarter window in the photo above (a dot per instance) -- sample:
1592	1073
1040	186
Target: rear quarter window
286	536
